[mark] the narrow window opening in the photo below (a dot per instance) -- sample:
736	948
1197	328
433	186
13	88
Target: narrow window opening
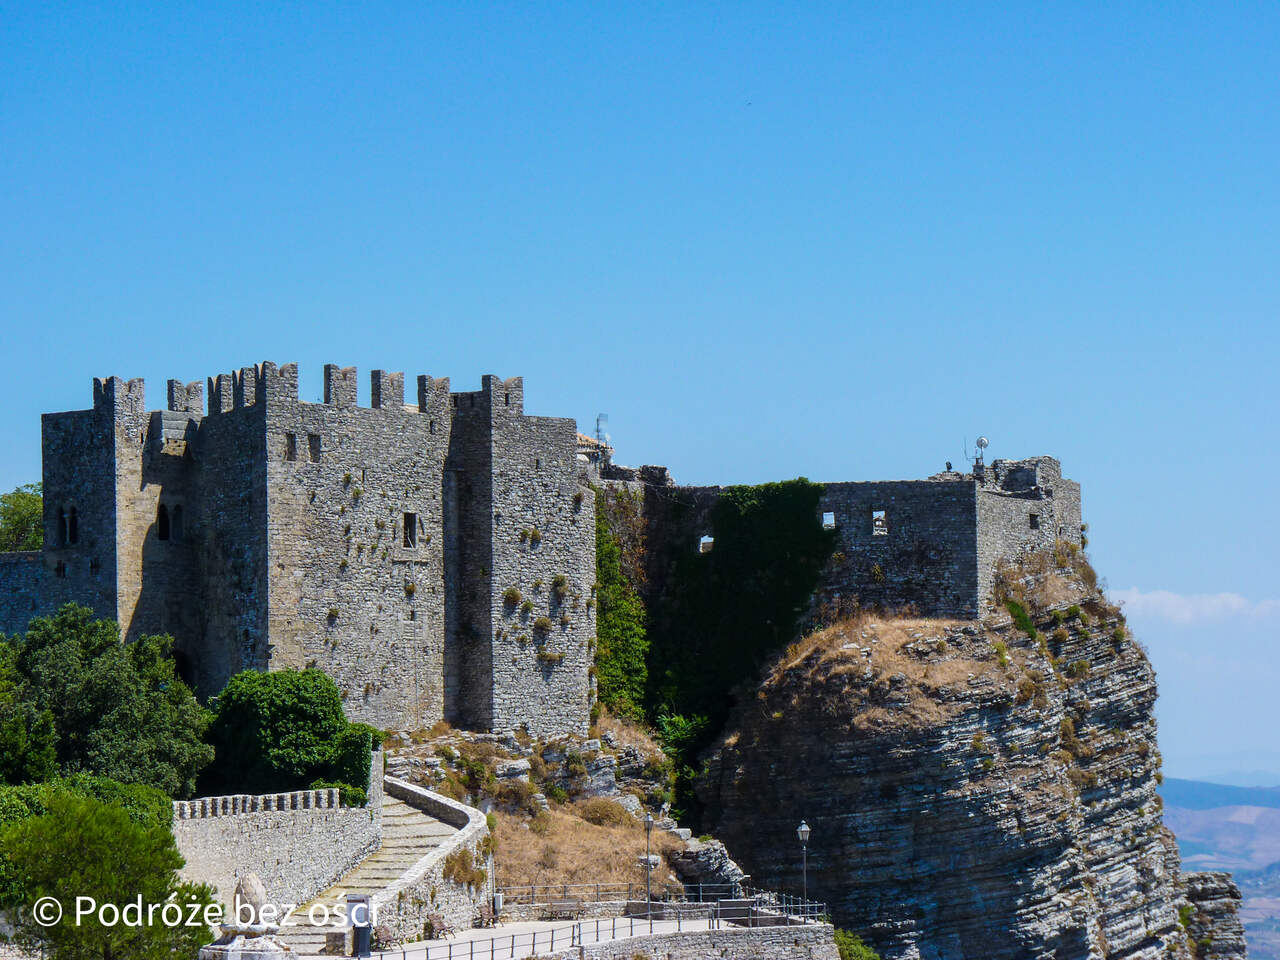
175	524
705	543
73	526
162	522
291	446
537	464
829	520
61	569
313	447
506	399
433	426
879	523
471	400
62	527
1034	519
410	529
95	565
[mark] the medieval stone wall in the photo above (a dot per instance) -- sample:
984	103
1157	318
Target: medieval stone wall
904	543
298	843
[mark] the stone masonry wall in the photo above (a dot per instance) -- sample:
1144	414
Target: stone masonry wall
543	537
1023	506
298	843
815	941
922	553
404	905
351	590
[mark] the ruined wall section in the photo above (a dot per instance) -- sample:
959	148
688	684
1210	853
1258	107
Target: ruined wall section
355	540
468	557
1023	506
543	534
902	543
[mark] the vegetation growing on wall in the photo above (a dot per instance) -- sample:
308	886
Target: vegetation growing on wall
726	610
622	644
22	518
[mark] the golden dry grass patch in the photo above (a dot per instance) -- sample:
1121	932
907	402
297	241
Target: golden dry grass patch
558	847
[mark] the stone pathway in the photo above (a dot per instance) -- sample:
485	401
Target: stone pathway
408	835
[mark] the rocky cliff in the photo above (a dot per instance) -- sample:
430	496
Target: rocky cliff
975	789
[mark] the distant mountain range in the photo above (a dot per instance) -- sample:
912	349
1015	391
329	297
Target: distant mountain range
1198	795
1222	827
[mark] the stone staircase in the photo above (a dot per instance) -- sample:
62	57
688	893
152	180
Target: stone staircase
408	835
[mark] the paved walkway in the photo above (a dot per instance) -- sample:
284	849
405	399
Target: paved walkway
513	941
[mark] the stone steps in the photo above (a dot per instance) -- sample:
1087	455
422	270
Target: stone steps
408	835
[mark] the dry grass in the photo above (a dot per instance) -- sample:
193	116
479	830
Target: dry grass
561	848
627	733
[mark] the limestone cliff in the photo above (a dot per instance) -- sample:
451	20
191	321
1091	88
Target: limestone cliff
975	789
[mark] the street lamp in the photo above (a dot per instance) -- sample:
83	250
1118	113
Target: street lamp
648	864
802	832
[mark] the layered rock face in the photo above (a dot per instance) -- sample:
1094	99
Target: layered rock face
975	790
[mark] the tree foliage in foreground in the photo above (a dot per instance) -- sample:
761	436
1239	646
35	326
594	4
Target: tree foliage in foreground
82	847
116	710
22	518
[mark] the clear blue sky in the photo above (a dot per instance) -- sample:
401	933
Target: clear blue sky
768	239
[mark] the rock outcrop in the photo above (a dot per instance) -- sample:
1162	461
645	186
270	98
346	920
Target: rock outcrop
975	790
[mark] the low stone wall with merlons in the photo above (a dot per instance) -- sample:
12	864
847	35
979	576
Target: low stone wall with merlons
814	941
404	907
298	843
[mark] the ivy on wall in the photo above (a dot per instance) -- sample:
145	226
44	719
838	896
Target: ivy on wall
622	642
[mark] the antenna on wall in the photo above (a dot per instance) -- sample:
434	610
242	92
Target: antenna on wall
979	445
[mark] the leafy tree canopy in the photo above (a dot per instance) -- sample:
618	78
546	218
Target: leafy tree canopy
284	730
81	847
22	518
117	710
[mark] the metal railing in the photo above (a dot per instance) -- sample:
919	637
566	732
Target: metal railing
750	912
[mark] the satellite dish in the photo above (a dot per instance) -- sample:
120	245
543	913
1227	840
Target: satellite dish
982	443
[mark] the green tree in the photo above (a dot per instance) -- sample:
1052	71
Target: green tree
22	518
284	731
28	752
119	710
81	847
622	644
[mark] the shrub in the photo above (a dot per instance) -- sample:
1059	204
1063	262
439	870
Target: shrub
1118	635
605	813
535	537
560	586
877	573
511	597
527	607
542	625
1060	635
1078	669
1002	652
282	731
550	656
556	793
851	947
460	867
1021	619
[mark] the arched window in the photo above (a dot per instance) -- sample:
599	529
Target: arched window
62	527
162	522
175	523
73	526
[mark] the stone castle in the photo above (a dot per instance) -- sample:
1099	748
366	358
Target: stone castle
436	558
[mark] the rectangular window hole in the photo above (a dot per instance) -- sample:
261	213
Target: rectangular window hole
879	523
705	543
1034	520
829	520
411	530
291	446
313	447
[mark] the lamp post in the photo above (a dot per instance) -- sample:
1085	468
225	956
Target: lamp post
648	864
802	832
